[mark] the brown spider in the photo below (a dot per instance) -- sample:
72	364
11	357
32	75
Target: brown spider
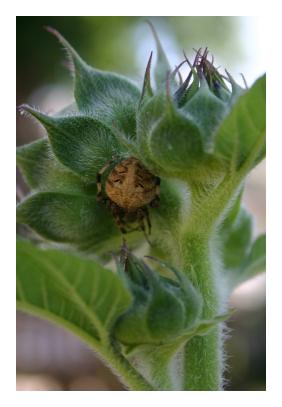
130	187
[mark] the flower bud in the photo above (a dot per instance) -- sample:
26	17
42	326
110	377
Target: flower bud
163	308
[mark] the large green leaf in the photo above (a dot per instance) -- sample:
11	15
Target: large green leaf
77	293
241	136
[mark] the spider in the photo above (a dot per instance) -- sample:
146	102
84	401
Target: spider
130	188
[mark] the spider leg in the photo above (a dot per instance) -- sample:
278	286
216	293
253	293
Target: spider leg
147	217
141	215
116	212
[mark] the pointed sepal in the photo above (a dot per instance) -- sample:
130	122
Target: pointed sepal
67	218
43	172
111	98
81	143
147	91
162	66
207	112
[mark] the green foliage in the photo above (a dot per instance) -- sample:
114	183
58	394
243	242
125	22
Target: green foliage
78	293
201	137
256	261
243	257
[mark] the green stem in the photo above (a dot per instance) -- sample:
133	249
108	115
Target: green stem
203	355
163	370
123	369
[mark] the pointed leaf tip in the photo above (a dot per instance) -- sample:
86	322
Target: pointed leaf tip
157	40
32	112
147	89
103	95
162	65
237	90
75	60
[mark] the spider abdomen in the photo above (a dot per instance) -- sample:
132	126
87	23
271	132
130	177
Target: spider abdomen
130	185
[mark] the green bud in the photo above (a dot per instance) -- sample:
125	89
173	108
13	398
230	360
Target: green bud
164	309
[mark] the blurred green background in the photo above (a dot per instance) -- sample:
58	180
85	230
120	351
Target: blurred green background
47	357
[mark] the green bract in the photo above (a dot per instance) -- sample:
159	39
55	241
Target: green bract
201	136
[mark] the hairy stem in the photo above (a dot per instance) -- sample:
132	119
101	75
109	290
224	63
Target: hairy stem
203	355
127	373
157	365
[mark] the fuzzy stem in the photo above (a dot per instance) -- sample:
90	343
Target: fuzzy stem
160	371
121	366
164	370
156	363
203	355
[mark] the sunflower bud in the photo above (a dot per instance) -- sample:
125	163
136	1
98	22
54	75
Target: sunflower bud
163	310
198	131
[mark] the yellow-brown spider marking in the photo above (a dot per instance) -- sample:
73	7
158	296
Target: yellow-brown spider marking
130	188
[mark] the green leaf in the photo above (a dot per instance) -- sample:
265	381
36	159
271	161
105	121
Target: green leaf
256	261
43	172
67	218
106	96
242	258
80	143
240	139
76	293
